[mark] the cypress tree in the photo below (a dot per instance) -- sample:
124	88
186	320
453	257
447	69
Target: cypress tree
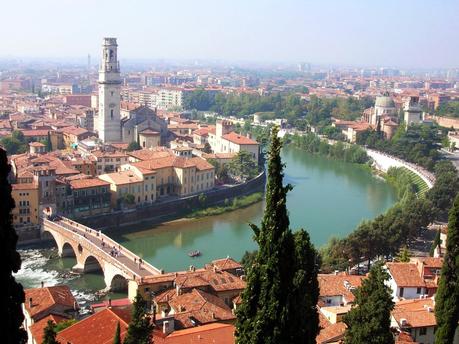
447	298
117	339
369	320
281	293
12	295
140	328
49	145
49	334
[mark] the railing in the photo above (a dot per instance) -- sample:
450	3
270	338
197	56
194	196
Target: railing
76	236
428	177
112	242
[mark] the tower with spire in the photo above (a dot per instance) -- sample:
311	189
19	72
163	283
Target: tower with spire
109	125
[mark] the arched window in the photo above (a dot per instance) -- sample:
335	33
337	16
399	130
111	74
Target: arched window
111	113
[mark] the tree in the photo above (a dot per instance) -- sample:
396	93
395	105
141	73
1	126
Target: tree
404	256
282	281
207	148
49	333
368	321
12	296
117	339
49	145
134	145
140	328
447	298
243	165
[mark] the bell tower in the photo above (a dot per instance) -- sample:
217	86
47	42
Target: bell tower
109	125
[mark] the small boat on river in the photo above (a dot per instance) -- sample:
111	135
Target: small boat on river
195	253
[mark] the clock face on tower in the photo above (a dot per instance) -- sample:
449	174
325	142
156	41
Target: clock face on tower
112	105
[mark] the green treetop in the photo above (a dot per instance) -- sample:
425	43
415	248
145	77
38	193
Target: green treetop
117	338
369	320
447	298
140	328
12	296
49	333
281	293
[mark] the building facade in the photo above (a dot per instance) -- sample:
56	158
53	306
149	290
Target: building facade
109	93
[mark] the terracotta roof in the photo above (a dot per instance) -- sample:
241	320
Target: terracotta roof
149	154
202	132
36	144
418	313
24	186
88	183
405	274
238	139
121	177
226	264
72	130
206	334
98	328
199	307
429	262
38	327
44	299
35	132
334	285
149	131
329	333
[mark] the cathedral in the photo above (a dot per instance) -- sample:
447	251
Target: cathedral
140	124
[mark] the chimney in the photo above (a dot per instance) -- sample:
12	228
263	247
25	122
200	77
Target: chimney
213	315
109	303
42	284
168	326
30	302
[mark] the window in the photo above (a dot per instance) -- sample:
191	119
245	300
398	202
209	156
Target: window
422	331
111	113
401	292
418	290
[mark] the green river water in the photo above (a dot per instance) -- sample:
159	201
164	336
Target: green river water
330	198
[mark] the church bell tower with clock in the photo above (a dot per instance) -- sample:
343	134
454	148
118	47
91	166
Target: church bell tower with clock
109	121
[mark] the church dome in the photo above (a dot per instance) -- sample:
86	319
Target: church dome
384	101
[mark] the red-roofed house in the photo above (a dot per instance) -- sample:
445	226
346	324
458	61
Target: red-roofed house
224	140
40	303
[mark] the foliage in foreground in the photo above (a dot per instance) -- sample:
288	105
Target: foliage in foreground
447	297
369	319
279	302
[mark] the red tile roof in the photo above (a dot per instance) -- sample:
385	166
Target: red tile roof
37	329
207	334
405	274
238	139
98	328
417	313
45	299
334	285
88	183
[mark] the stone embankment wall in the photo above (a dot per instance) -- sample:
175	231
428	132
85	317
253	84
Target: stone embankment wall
385	161
172	209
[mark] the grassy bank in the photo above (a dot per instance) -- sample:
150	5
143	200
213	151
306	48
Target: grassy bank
235	203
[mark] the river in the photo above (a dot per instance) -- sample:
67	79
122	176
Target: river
329	198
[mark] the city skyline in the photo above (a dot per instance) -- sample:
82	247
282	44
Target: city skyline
354	33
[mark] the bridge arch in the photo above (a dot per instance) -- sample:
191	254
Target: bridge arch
67	250
92	264
118	283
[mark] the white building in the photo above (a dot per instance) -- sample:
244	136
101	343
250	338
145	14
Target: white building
108	124
225	140
412	111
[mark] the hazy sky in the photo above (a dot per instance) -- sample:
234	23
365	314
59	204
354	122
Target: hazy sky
406	33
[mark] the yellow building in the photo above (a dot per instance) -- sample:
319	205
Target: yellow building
139	183
25	197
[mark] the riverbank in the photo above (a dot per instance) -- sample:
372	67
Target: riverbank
236	203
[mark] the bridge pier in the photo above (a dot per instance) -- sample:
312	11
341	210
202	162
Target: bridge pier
78	267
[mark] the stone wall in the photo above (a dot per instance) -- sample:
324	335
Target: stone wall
172	209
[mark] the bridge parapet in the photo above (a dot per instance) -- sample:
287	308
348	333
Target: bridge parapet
109	241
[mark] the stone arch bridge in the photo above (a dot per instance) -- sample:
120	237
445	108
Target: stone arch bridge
94	251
